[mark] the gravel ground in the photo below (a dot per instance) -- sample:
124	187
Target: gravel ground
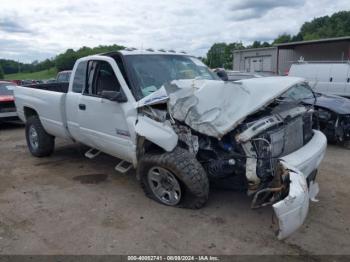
67	204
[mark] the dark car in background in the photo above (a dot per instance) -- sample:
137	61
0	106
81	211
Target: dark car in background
332	113
7	101
333	116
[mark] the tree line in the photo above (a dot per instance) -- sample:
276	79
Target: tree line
63	61
219	54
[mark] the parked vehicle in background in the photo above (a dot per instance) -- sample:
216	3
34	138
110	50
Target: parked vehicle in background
7	103
28	82
63	76
50	81
171	118
326	78
332	113
17	82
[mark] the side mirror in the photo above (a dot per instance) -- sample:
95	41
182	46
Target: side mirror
222	74
114	96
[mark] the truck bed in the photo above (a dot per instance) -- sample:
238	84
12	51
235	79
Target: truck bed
55	87
48	101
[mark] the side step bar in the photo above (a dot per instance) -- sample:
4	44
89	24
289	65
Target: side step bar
123	167
92	153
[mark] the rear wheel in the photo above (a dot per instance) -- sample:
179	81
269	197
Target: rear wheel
39	142
174	178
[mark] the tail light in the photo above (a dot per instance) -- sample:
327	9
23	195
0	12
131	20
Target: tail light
7	98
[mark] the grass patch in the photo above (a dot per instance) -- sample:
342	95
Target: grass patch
40	75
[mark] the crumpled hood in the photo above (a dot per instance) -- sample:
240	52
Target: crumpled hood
215	108
338	104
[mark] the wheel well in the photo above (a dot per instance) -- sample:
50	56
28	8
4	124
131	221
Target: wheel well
145	146
150	147
28	112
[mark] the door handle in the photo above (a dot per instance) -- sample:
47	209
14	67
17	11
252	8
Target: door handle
82	106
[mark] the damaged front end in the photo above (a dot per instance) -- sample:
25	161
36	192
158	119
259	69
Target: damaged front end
246	138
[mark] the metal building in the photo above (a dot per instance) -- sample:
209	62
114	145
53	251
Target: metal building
255	60
278	59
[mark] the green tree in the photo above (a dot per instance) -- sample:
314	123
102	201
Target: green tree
2	76
265	44
66	60
335	25
216	55
284	38
256	44
220	55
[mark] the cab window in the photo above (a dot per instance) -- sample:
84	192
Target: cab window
101	78
79	80
299	92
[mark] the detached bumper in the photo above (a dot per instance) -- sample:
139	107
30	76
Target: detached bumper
292	210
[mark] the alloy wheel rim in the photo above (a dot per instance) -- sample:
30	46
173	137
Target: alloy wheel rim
33	138
164	185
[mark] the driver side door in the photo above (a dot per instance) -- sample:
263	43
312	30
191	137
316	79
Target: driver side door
102	122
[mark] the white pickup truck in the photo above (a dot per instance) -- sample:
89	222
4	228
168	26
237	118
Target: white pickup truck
171	118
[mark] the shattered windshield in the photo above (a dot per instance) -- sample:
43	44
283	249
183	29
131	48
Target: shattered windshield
298	92
150	72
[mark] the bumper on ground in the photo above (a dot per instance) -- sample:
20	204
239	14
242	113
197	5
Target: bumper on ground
292	210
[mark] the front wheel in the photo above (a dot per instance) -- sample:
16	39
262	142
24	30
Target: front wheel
39	142
174	178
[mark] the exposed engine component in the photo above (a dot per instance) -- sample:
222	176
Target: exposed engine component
221	168
156	114
276	189
185	135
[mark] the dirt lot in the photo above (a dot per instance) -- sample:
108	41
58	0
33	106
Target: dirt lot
67	204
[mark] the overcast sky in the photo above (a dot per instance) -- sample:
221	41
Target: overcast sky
38	29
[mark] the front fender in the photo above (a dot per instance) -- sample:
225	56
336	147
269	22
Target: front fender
161	134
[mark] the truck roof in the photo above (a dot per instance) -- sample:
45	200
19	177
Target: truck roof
144	52
127	52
